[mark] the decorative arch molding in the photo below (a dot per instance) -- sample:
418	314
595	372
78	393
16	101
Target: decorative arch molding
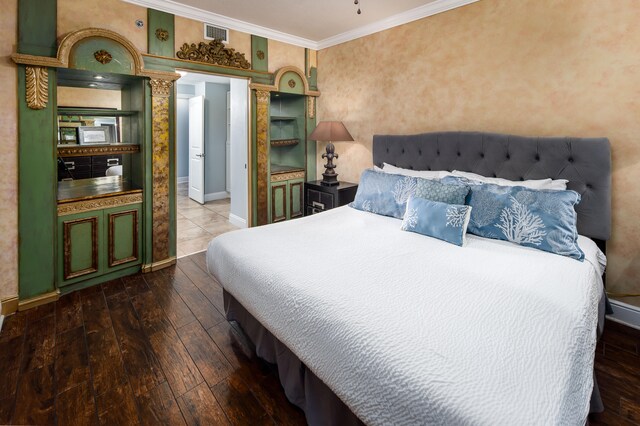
275	87
66	45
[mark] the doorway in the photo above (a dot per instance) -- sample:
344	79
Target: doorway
212	121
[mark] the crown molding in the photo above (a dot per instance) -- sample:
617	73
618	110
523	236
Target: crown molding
433	8
201	15
429	9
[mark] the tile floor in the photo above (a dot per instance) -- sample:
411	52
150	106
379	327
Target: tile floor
198	224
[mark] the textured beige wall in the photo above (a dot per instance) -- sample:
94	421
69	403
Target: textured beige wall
190	31
8	152
528	67
283	54
114	15
90	98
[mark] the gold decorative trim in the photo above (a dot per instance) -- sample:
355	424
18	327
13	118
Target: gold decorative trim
301	201
160	88
98	204
291	83
275	188
76	151
260	54
311	107
37	87
262	149
112	256
66	230
285	142
159	265
214	52
162	34
9	305
160	166
40	300
279	177
103	56
69	41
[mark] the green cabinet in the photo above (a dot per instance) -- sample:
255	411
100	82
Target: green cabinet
287	199
98	242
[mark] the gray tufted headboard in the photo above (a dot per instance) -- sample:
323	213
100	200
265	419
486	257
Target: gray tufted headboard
585	162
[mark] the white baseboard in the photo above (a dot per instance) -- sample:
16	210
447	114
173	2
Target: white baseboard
625	314
216	196
182	179
237	221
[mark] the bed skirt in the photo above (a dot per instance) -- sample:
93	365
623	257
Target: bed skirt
303	388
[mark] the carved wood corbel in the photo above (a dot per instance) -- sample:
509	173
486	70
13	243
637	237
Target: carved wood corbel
37	92
160	88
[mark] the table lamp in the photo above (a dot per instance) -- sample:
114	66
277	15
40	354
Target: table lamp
330	131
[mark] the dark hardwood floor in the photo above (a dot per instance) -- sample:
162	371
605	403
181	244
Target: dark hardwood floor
156	349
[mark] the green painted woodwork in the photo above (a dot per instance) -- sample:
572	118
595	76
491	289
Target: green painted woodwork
168	64
311	148
147	178
157	20
77	231
122	225
313	78
289	79
172	177
254	162
37	192
278	211
259	44
116	223
295	191
100	279
82	56
287	121
37	30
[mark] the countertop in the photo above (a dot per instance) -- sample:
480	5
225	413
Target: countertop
100	187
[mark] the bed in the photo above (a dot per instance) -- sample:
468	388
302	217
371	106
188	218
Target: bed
397	328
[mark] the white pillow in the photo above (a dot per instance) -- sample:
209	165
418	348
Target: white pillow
557	184
424	174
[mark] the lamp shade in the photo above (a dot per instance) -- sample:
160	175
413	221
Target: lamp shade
332	131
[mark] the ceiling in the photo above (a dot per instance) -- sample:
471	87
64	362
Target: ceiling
315	24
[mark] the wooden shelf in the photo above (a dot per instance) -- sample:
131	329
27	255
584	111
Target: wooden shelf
82	150
282	118
285	142
95	112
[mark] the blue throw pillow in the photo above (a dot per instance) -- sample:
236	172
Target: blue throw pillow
447	222
542	219
383	193
437	190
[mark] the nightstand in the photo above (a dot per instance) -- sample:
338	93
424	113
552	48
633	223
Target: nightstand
318	198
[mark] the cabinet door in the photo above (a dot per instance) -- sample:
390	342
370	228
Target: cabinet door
122	229
278	201
80	236
295	198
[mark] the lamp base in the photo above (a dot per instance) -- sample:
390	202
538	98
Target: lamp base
329	179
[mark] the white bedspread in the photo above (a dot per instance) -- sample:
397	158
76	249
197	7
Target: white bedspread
407	329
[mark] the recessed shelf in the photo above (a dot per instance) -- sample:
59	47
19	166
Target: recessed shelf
285	142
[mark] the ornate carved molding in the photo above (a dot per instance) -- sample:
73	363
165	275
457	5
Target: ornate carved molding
291	83
102	56
311	107
37	87
275	87
98	204
162	34
262	96
75	151
260	54
160	88
279	177
214	52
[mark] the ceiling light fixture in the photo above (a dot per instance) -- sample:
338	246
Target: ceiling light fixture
357	2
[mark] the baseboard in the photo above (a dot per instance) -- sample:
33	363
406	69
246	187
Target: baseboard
216	196
9	306
42	299
158	265
237	221
182	179
625	314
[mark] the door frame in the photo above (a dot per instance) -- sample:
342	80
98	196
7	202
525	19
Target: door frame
249	137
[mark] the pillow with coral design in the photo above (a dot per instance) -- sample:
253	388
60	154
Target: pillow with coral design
541	219
383	193
446	222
